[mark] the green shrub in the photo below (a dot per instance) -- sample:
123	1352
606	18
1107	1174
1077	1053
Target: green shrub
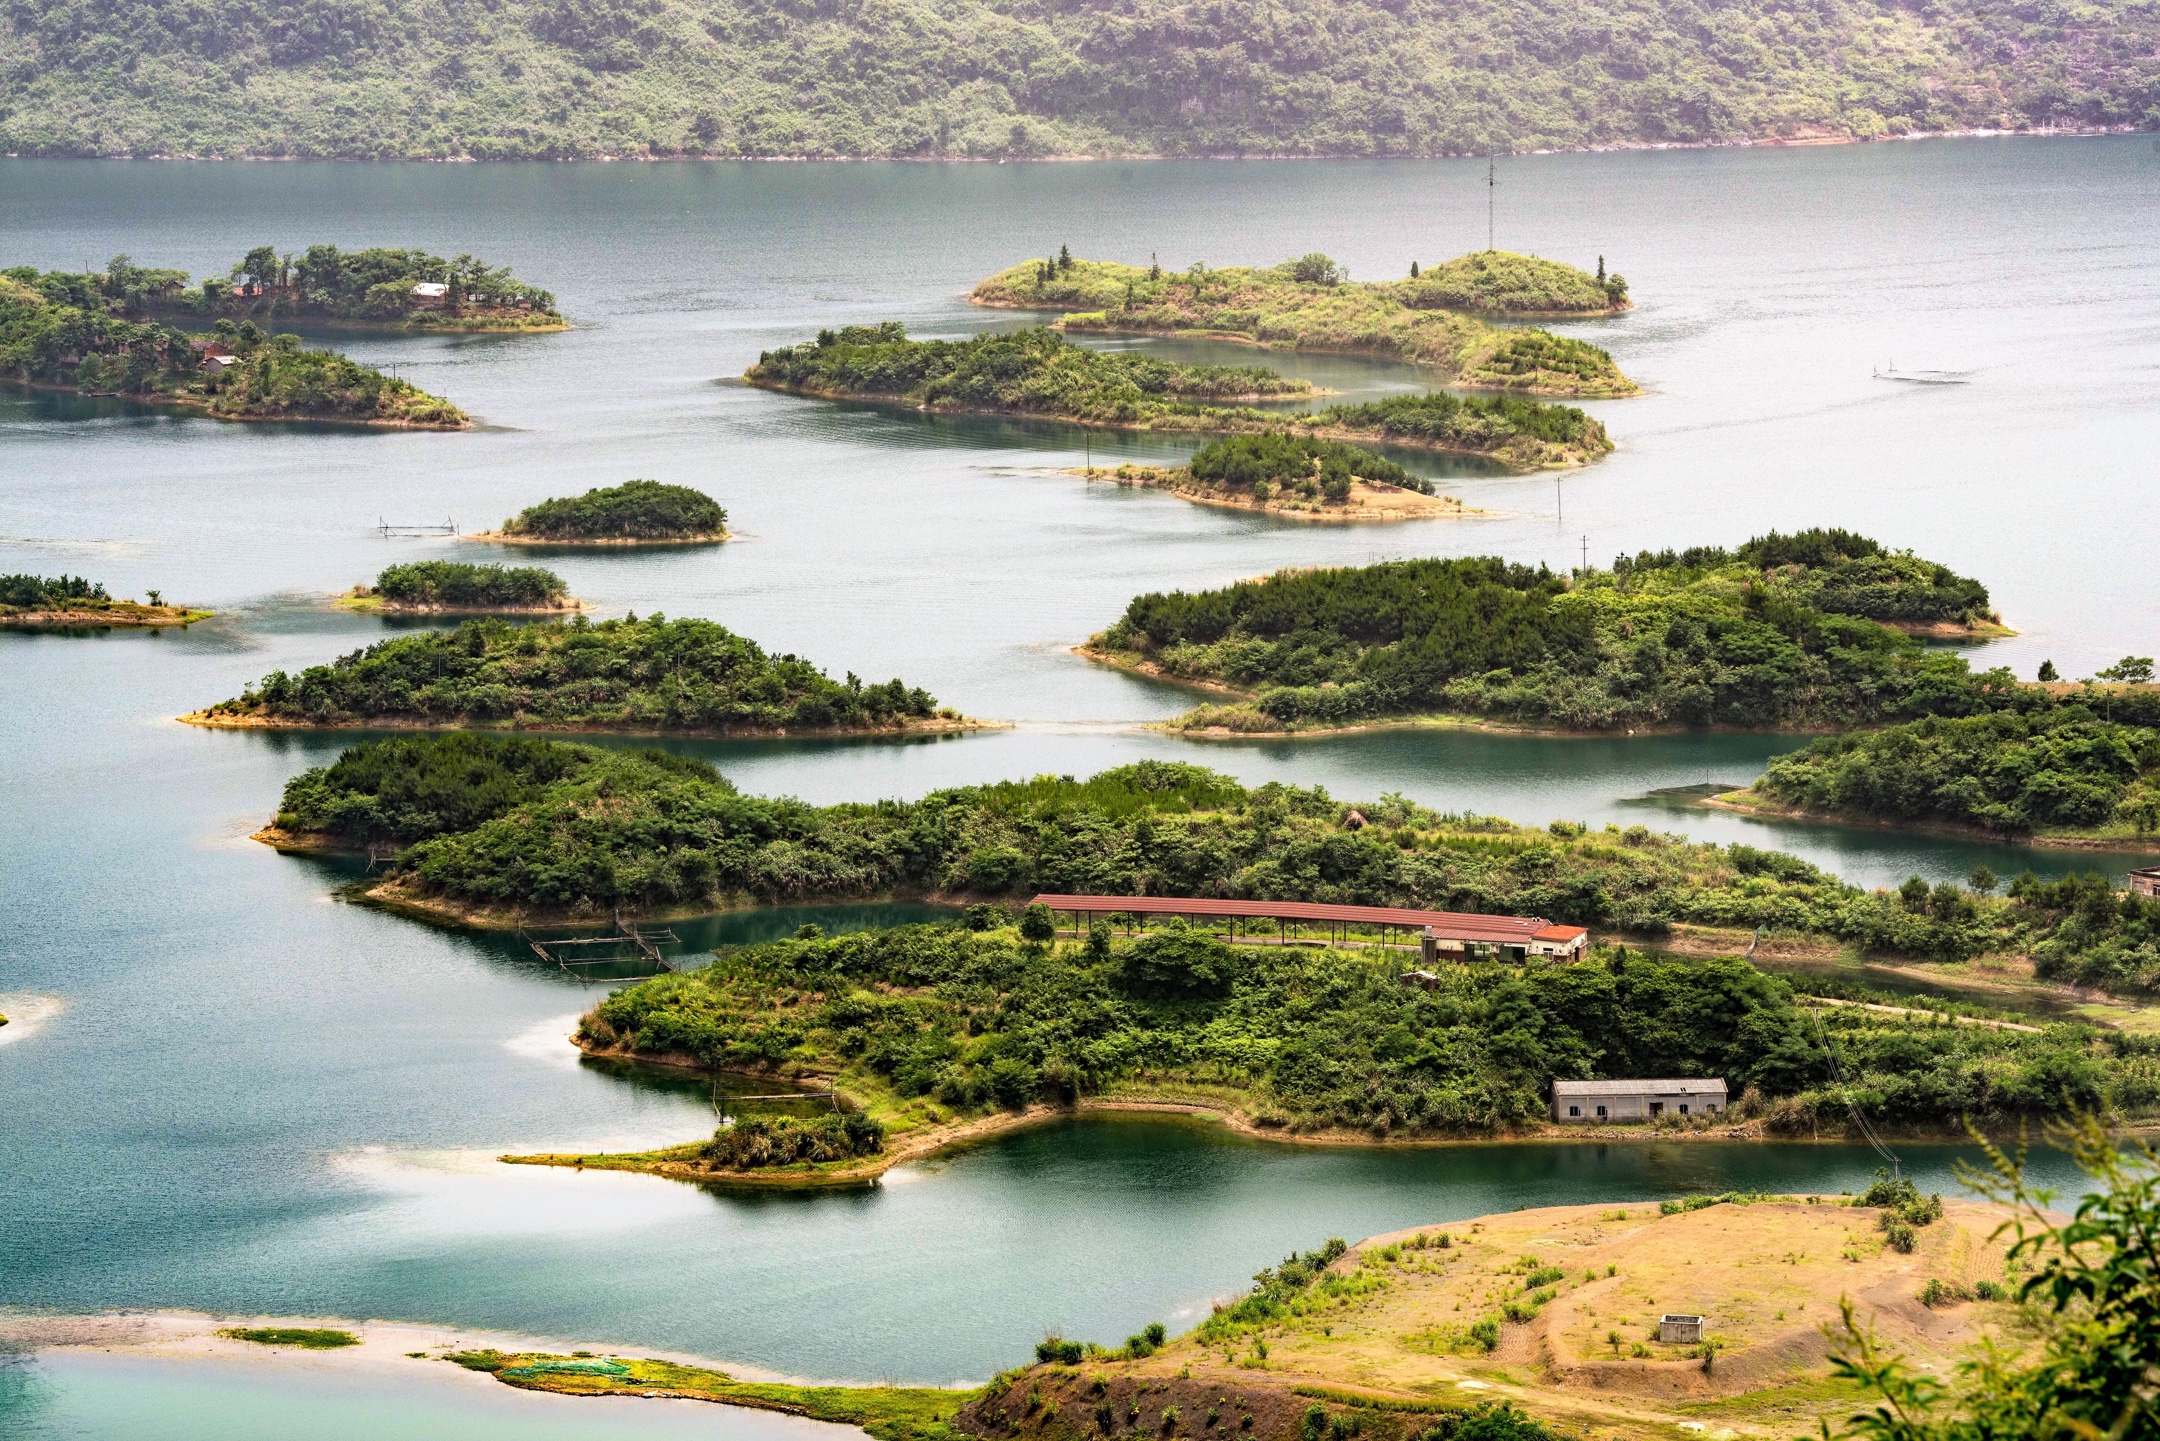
459	585
309	1338
758	1141
1280	458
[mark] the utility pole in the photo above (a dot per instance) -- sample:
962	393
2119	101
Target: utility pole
1492	186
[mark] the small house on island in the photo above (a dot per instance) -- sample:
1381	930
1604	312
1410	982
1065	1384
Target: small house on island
429	294
1587	1103
2145	881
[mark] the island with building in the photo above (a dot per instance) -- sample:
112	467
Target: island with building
635	513
443	587
650	676
1039	373
69	332
1797	632
1436	321
69	602
372	289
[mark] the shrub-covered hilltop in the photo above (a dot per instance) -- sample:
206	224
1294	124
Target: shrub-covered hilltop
1309	304
66	602
535	80
497	825
637	512
2053	769
1037	372
451	586
373	288
1785	631
650	675
65	331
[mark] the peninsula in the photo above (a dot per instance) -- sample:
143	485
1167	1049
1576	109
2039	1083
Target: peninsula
1309	304
1792	631
1037	372
2052	772
486	829
64	332
641	677
932	1036
69	602
635	513
443	587
373	289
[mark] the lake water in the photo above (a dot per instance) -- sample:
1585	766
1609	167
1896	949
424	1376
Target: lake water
261	1099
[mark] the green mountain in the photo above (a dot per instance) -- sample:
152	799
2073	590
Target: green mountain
552	78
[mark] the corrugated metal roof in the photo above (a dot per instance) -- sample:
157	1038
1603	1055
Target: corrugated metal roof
1639	1088
1452	925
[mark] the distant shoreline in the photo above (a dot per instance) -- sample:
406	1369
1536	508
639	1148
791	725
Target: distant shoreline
1124	157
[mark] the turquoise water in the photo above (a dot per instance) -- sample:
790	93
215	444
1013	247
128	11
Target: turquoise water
262	1099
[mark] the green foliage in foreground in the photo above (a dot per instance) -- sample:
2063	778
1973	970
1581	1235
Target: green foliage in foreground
1275	459
536	79
1033	372
887	1413
50	592
1307	305
310	1338
459	584
326	283
1728	644
634	510
2060	768
519	821
980	1021
651	674
63	330
2092	1291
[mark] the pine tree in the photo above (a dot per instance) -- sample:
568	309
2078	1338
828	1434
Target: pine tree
1064	258
1601	270
1413	270
1154	270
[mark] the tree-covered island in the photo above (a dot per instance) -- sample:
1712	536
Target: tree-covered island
374	289
1798	631
1037	372
492	828
444	587
69	602
1308	304
1294	476
637	512
69	332
650	676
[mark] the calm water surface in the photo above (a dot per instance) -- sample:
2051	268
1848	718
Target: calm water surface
261	1099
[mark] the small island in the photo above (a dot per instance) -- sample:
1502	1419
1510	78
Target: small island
372	289
443	587
1296	477
1037	372
2054	772
1308	304
635	513
69	602
64	332
642	677
1796	632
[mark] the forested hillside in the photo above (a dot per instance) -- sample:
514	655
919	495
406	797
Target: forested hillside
546	78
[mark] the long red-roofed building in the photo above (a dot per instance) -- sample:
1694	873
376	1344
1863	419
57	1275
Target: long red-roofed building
1449	934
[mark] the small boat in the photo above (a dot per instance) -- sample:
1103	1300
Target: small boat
1925	377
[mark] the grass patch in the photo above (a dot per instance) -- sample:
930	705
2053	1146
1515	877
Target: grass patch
308	1338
